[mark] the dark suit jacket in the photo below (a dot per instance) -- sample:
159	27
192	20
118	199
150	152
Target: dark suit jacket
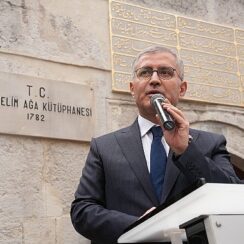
115	187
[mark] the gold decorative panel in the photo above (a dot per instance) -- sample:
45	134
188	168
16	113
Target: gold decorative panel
213	54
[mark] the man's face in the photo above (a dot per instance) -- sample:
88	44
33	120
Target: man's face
142	90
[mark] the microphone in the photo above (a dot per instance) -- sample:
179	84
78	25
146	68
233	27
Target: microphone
164	116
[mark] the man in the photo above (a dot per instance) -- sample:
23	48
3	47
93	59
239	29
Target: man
116	187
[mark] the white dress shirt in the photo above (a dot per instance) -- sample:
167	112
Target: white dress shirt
147	137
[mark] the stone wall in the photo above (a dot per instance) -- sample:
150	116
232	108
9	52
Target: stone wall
69	41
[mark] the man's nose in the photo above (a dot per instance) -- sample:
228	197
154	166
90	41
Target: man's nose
155	78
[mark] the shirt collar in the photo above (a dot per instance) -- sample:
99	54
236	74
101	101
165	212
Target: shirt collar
144	125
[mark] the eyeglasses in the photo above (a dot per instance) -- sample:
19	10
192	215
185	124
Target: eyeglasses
164	73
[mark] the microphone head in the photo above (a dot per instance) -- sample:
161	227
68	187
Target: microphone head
165	118
155	97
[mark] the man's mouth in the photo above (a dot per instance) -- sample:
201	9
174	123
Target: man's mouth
152	92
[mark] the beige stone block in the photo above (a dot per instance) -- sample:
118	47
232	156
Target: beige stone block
21	174
10	231
63	164
61	30
67	233
99	80
53	201
34	107
49	70
39	231
121	113
229	13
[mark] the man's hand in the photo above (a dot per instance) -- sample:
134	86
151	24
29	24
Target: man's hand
177	139
148	211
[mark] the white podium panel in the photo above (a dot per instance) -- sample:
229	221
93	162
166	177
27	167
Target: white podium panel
209	199
225	229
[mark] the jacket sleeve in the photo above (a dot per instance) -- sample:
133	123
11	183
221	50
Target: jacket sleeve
89	214
208	158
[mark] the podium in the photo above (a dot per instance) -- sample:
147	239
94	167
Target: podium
215	229
211	214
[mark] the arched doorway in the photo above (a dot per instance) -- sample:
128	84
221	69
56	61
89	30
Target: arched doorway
234	135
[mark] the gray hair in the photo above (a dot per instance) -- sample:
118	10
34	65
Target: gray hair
159	49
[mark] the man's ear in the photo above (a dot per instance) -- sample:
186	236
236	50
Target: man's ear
183	88
131	89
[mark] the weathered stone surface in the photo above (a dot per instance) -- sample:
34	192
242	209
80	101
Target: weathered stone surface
224	120
11	231
67	233
218	11
39	230
229	12
61	172
99	80
21	174
188	7
63	31
121	114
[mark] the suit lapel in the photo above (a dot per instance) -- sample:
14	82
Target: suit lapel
129	140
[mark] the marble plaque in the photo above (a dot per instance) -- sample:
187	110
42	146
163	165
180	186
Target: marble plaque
213	54
45	108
